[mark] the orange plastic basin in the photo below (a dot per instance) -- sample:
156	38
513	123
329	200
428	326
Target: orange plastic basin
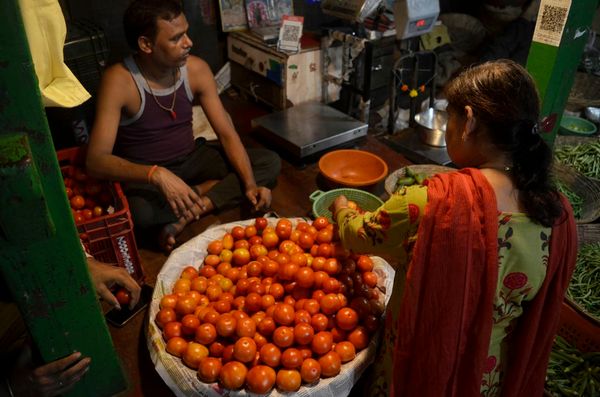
353	168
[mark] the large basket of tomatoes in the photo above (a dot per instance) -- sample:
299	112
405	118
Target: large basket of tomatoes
101	214
266	306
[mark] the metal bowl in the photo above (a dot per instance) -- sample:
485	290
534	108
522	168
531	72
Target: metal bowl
592	114
432	127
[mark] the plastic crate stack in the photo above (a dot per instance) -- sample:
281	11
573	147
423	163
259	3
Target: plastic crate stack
108	238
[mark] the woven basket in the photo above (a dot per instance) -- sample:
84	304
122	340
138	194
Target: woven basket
588	233
427	169
323	200
584	91
586	188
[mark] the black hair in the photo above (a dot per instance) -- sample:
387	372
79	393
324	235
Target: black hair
141	16
504	98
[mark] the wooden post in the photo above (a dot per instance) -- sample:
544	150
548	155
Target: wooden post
561	32
41	258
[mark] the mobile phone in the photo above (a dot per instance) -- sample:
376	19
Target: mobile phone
119	318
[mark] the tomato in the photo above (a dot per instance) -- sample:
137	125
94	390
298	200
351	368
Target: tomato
189	323
331	285
123	296
253	302
208	369
97	211
238	232
287	271
320	222
87	214
241	256
365	263
182	285
185	305
338	334
260	379
323	238
206	334
291	358
245	327
225	325
213	292
226	255
331	364
77	202
244	349
288	380
176	346
270	239
250	231
319	322
359	338
303	334
233	375
165	315
330	304
322	342
270	355
331	266
211	316
216	349
283	336
346	351
193	354
305	240
243	243
310	371
227	241
266	326
227	354
283	314
283	228
261	223
370	279
346	318
305	277
302	316
312	306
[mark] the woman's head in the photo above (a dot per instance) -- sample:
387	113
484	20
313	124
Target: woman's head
140	18
498	103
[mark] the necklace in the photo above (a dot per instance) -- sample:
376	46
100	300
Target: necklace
172	107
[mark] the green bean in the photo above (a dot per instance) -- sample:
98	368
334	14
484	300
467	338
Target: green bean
584	157
575	200
570	372
584	288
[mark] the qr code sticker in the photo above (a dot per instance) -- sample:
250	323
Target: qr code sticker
553	18
291	33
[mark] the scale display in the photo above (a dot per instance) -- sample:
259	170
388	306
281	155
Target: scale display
415	17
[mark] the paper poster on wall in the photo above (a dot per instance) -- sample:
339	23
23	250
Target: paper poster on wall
233	15
263	13
551	20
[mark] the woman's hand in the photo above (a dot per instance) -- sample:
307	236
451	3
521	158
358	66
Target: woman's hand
181	197
260	197
52	379
105	276
339	203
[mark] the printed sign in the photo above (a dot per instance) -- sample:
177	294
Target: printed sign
551	21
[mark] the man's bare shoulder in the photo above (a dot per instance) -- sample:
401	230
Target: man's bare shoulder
116	75
197	65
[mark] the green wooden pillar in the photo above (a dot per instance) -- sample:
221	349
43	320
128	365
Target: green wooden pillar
560	34
40	255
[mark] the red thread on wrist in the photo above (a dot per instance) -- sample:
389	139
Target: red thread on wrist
151	171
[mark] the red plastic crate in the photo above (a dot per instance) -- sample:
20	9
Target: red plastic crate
109	238
578	330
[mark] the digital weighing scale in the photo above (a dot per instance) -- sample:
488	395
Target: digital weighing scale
309	128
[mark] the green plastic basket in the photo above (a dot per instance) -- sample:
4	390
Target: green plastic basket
323	200
570	125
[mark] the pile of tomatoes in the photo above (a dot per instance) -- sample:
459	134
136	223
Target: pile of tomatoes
272	307
89	198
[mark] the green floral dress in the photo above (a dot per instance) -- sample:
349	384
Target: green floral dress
522	257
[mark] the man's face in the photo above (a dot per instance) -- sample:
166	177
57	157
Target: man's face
172	44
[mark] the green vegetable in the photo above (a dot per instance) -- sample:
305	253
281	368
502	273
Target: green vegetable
572	373
584	157
575	200
410	178
584	288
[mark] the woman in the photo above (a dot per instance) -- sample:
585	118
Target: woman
489	251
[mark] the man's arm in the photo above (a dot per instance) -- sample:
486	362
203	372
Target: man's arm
117	94
204	87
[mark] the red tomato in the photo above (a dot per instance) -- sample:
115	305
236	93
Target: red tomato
310	371
270	355
288	380
346	318
244	349
208	369
177	346
260	379
97	211
346	351
322	342
331	364
291	358
193	354
77	202
123	296
171	330
261	223
233	375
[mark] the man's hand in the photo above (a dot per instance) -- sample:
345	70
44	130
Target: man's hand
259	196
339	203
105	276
184	201
52	379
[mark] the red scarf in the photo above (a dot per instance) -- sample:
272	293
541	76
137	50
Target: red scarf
445	320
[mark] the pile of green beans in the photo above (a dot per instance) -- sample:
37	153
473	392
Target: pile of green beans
584	288
584	157
410	178
572	373
575	200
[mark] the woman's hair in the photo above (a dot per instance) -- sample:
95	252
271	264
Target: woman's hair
141	16
504	98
